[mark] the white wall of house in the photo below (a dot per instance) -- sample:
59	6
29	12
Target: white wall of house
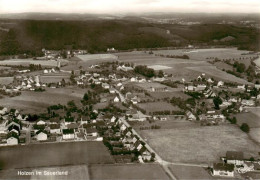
12	141
235	162
55	131
223	173
42	137
68	136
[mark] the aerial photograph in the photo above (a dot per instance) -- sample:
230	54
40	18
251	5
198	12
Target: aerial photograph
129	90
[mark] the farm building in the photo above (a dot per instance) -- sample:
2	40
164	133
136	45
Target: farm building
235	157
222	169
55	129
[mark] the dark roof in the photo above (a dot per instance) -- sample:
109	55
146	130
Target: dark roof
234	155
69	119
91	130
72	126
54	126
68	131
223	167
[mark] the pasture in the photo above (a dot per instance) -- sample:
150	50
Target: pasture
151	107
181	68
127	171
190	172
199	144
203	54
162	95
54	154
27	62
37	102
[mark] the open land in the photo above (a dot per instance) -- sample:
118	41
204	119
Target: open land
203	144
31	101
27	62
93	172
129	171
54	154
157	106
190	172
181	68
6	80
252	118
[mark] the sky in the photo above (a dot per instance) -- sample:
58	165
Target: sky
130	6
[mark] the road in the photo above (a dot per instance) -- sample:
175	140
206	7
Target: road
28	134
121	96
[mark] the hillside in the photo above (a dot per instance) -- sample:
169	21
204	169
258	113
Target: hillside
31	36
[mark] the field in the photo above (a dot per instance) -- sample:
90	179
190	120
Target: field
6	80
189	172
127	171
90	57
203	54
252	118
27	62
198	144
93	172
182	68
162	95
159	67
157	106
54	154
35	102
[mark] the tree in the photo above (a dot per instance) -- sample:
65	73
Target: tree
160	74
244	127
217	101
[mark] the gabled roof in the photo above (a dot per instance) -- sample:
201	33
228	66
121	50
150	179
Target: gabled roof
234	155
223	167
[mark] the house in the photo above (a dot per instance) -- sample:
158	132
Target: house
41	135
246	102
3	111
112	91
92	132
105	85
41	122
200	87
222	169
190	116
133	79
68	134
210	80
190	88
113	119
55	129
116	99
235	157
243	87
12	139
220	83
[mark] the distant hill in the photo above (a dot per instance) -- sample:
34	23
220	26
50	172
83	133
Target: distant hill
31	36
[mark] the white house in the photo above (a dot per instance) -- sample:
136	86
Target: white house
113	119
3	111
190	116
68	134
112	91
220	83
55	129
222	169
246	102
133	79
12	141
42	136
41	122
116	99
105	85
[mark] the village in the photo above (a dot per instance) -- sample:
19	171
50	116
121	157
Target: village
118	93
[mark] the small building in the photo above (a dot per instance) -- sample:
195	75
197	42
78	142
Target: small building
12	139
55	129
41	136
222	169
116	99
190	116
68	134
235	157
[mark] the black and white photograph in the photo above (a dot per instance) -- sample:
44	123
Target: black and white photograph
129	90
